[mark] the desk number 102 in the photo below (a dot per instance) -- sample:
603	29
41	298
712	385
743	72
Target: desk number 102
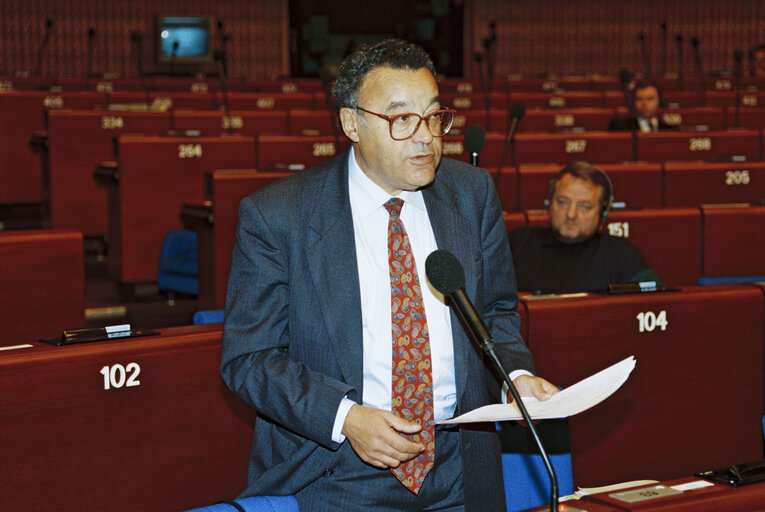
649	321
117	376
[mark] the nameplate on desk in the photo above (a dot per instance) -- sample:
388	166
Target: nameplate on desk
641	287
646	493
74	336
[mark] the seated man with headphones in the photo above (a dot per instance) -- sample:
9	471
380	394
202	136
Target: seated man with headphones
571	255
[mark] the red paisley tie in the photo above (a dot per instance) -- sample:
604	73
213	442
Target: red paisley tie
412	396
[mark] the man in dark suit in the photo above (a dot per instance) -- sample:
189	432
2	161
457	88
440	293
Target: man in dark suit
644	113
308	326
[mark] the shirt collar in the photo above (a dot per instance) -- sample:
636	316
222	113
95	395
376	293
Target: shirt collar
367	196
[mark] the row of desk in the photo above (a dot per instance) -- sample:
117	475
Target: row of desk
25	113
76	143
146	423
682	244
291	85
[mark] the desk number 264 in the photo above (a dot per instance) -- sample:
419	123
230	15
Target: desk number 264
649	321
117	376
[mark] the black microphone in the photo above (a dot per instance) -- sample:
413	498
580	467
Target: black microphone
474	141
135	38
478	58
680	70
173	55
91	34
224	50
488	44
664	50
624	78
700	69
517	111
446	274
644	53
738	57
43	46
223	90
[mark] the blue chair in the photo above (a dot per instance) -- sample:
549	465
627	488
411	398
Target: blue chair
178	263
255	504
730	280
527	484
208	316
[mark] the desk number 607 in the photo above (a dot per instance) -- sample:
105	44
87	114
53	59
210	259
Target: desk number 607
117	376
649	320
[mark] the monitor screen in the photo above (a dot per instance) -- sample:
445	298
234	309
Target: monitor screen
184	39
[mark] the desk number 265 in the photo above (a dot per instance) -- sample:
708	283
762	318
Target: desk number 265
649	321
117	376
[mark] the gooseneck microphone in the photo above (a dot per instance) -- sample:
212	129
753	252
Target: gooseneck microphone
517	111
700	69
478	58
135	38
664	47
38	62
738	57
474	141
446	274
219	61
680	62
624	78
645	55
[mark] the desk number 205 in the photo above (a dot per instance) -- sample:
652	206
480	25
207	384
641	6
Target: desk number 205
117	376
649	321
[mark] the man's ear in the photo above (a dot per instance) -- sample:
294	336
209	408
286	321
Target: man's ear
349	120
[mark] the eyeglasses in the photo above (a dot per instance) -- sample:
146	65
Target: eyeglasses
403	126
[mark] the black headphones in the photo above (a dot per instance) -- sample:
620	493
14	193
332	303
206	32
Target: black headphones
606	206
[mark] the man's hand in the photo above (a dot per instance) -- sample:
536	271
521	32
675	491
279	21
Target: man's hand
537	387
374	436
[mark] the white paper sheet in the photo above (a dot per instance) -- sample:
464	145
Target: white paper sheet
568	402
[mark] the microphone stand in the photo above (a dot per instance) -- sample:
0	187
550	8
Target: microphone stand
487	345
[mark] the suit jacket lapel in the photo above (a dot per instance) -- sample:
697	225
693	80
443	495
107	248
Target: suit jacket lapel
331	254
452	232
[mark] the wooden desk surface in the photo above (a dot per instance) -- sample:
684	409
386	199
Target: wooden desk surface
165	436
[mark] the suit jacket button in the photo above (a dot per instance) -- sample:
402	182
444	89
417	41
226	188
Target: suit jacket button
327	472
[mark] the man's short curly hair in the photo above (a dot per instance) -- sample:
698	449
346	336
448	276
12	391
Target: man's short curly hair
393	53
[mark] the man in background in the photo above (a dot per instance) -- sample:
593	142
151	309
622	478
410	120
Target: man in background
571	255
644	116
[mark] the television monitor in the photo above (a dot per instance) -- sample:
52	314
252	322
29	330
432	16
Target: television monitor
184	39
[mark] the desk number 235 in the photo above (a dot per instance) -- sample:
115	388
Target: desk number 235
117	376
649	321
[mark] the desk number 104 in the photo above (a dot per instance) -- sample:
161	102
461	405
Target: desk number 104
649	321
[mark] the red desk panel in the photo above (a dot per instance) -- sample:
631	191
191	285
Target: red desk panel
242	122
595	147
216	229
42	284
514	220
495	121
488	158
77	141
637	184
313	122
156	176
21	114
295	152
748	117
546	120
506	184
696	183
475	101
582	99
713	118
175	439
655	147
271	101
668	238
734	244
661	423
289	86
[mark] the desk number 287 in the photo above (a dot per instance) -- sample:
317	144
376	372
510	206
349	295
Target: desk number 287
117	376
649	321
